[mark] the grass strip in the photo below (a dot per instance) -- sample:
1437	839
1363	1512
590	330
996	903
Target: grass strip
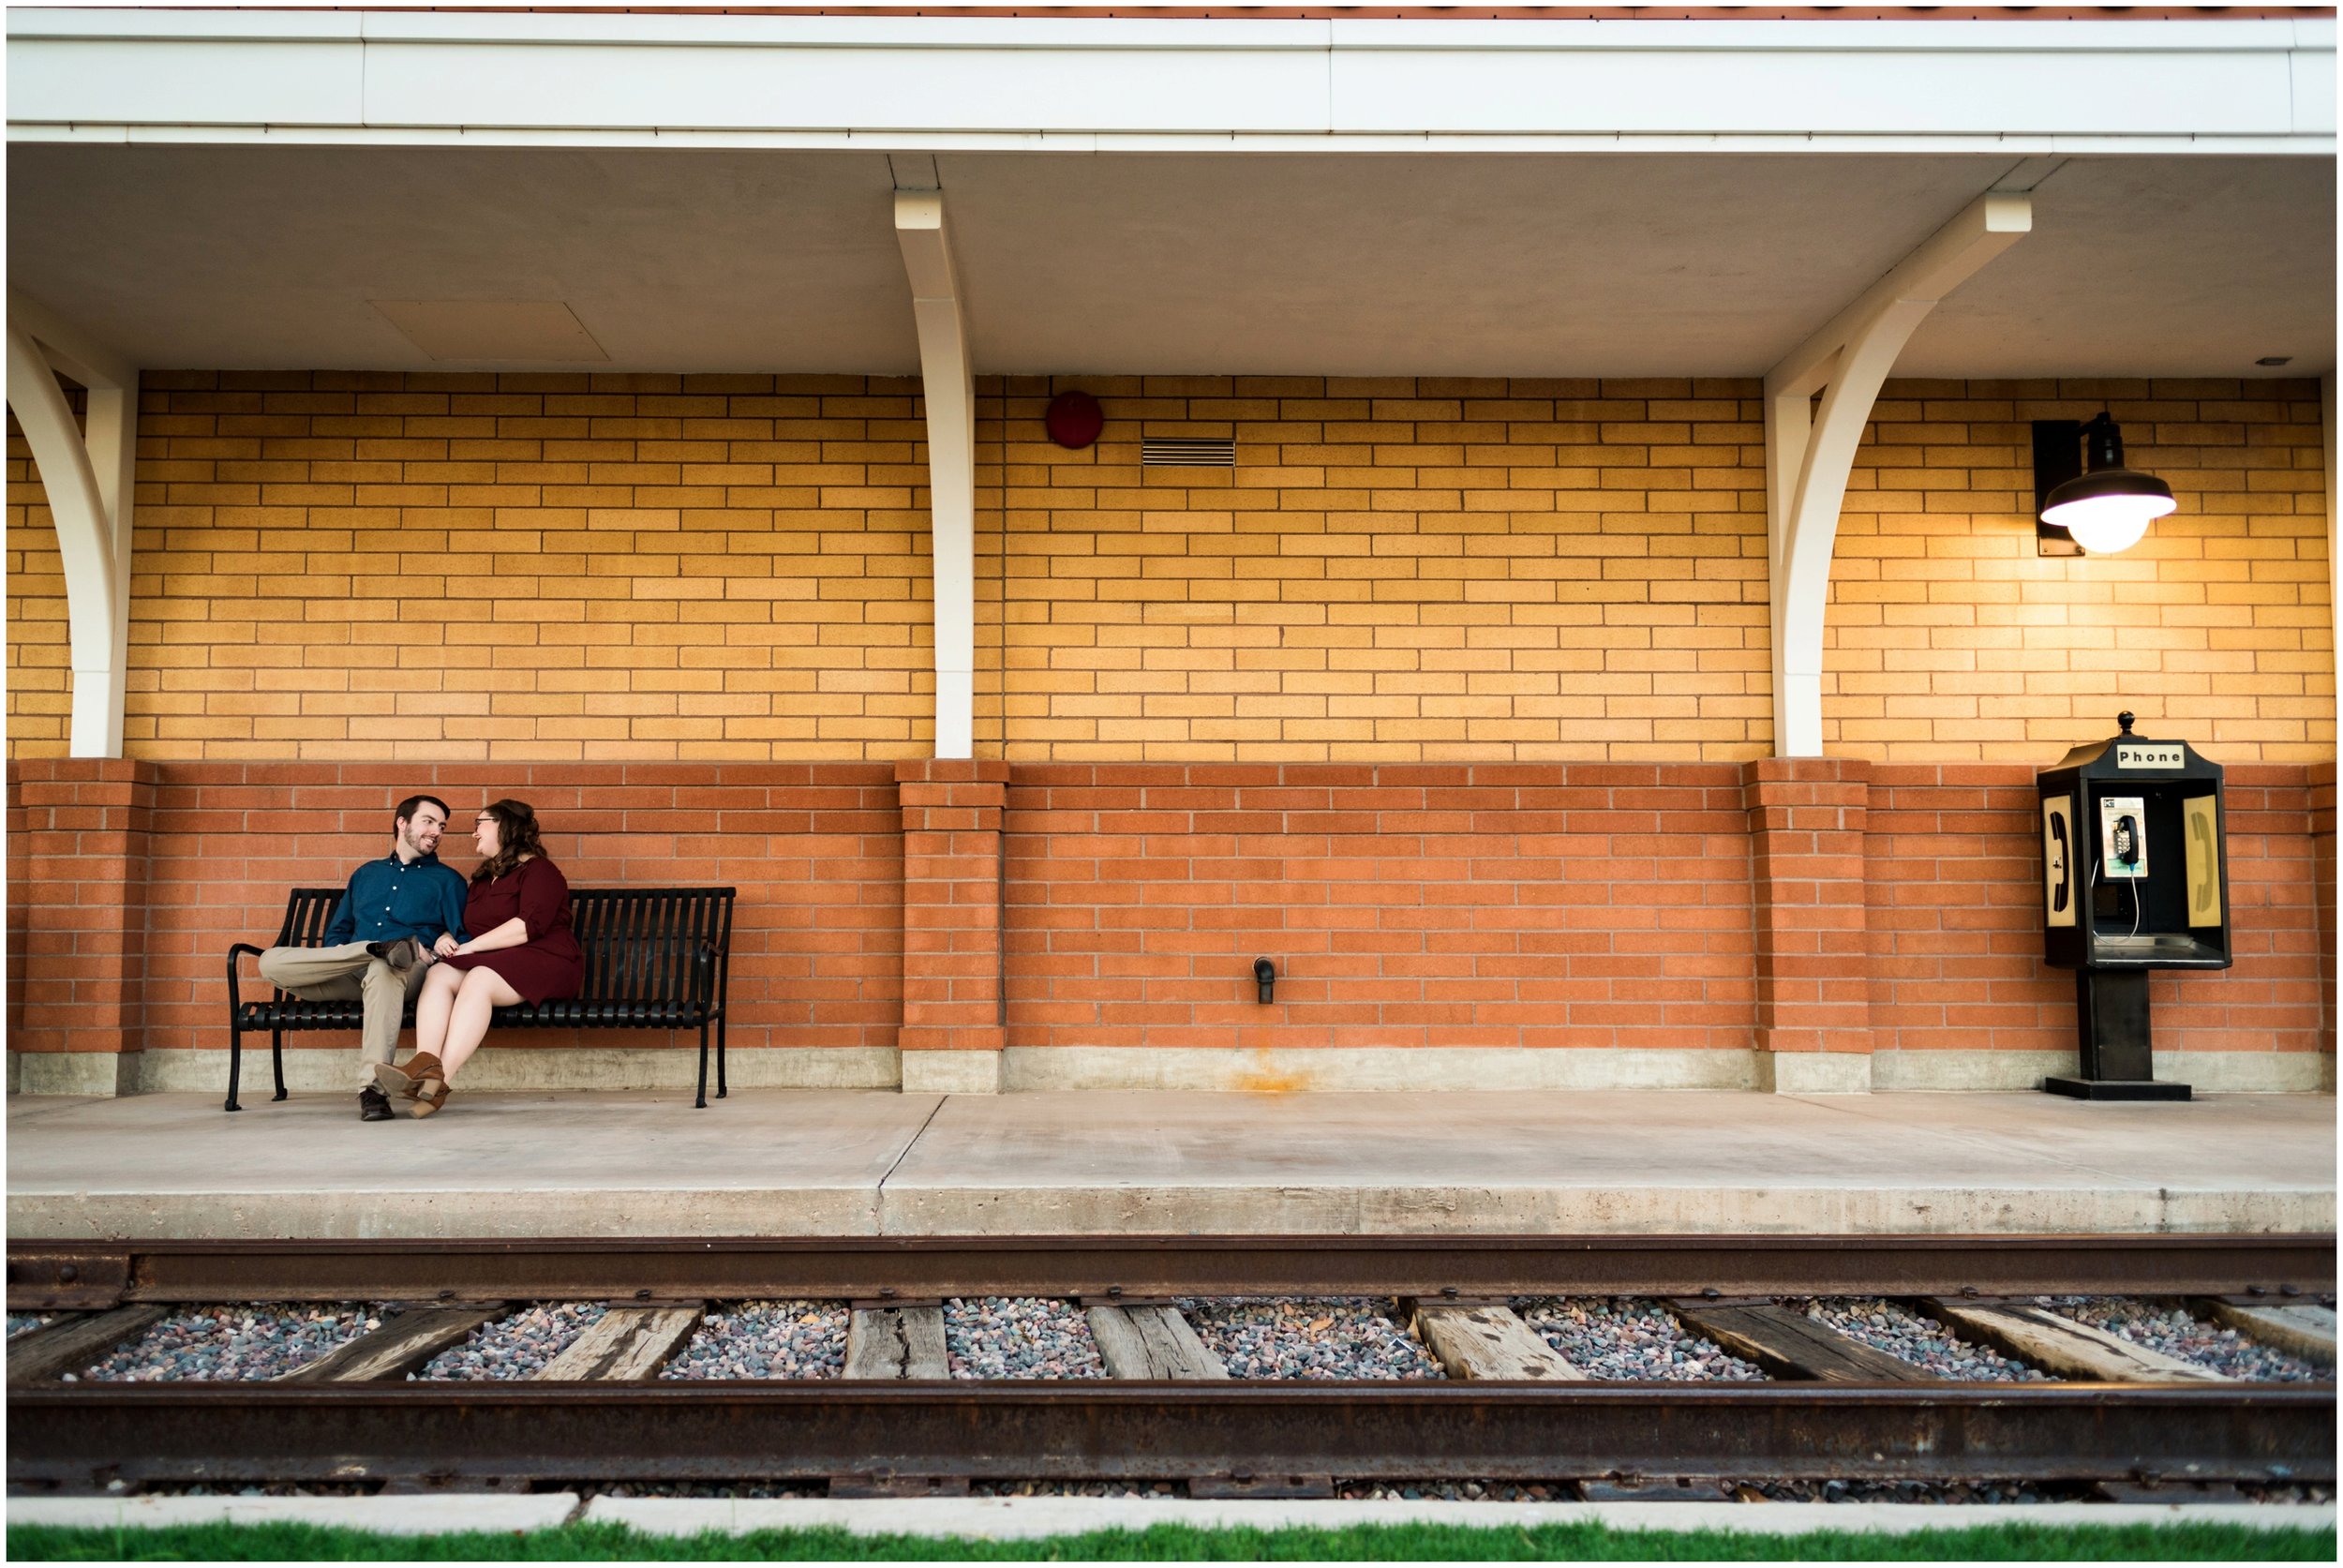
2015	1541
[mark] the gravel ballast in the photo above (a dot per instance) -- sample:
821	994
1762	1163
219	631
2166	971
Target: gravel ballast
234	1344
25	1322
2164	1326
1621	1340
519	1346
1908	1337
792	1339
1019	1337
1318	1338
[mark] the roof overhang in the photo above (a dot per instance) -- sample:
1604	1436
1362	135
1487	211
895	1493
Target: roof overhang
261	189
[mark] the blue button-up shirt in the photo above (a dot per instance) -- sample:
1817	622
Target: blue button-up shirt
390	898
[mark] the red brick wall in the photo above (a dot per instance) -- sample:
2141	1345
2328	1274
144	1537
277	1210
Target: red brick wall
79	845
815	852
1956	935
1584	904
1577	904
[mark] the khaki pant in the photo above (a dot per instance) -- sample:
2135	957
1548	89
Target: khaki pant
350	974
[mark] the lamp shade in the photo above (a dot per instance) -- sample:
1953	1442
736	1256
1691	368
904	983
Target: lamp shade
2108	507
2108	510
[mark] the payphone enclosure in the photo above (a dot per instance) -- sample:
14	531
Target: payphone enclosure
2135	876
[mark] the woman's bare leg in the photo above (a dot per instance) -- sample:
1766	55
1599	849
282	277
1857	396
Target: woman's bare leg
432	1005
468	1020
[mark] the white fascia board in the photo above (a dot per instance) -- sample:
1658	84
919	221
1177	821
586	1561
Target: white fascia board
184	81
1836	93
1913	36
937	84
736	88
159	25
848	32
1088	142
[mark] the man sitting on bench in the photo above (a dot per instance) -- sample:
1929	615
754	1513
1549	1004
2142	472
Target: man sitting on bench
379	944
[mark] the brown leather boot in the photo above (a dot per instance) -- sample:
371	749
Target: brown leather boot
404	1082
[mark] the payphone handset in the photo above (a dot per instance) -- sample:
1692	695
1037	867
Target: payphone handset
2123	841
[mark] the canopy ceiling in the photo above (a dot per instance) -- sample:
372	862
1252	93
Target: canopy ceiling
1337	263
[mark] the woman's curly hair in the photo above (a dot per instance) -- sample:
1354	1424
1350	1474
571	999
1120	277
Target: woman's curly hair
516	837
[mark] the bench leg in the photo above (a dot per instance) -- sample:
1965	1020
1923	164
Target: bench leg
235	1066
699	1101
720	1056
277	1059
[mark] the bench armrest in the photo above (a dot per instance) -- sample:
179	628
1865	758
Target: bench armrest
704	974
236	993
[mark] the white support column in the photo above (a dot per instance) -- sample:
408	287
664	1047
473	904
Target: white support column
90	476
1809	452
949	384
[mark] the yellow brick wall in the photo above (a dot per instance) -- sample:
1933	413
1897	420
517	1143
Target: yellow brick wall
337	565
1951	638
607	567
1395	570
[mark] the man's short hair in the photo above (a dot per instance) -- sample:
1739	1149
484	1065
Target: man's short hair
406	810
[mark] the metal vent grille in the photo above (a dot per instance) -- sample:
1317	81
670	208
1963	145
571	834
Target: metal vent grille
1187	452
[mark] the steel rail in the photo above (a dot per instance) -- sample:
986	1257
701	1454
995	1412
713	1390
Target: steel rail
88	1275
78	1436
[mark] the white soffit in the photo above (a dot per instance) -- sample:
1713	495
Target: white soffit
470	331
271	257
2248	84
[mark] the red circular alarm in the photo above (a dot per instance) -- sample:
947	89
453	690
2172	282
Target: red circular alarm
1075	419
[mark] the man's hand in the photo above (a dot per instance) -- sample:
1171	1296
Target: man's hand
445	946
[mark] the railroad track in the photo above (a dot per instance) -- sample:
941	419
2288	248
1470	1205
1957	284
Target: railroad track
1510	1408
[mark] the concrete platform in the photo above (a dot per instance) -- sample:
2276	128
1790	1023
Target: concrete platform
842	1162
1040	1518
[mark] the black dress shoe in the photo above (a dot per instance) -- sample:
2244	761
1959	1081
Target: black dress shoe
373	1105
401	955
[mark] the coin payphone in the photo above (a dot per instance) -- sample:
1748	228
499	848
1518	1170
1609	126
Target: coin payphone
2133	878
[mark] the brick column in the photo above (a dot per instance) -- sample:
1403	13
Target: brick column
953	1029
1806	825
77	922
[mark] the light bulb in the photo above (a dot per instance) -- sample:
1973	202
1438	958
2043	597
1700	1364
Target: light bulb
2104	524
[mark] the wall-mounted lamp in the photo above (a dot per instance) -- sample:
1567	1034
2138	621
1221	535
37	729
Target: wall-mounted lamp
2092	509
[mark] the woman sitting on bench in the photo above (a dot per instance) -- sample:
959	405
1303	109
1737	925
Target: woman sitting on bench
525	951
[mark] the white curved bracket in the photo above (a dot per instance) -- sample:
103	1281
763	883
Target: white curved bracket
1809	452
89	473
948	385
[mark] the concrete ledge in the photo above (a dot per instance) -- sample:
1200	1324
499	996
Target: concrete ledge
2209	1073
520	1070
1343	1070
837	1163
1033	1518
78	1072
525	1069
1814	1072
951	1072
446	1512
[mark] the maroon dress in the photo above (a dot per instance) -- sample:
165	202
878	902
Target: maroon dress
548	966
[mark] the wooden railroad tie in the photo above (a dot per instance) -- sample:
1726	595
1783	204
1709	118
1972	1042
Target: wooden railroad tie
2061	1346
2298	1328
73	1341
1152	1342
1789	1344
626	1344
896	1344
398	1347
1481	1343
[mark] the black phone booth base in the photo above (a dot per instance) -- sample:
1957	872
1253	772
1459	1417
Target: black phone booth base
2112	1029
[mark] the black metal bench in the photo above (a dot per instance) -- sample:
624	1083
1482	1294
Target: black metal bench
656	958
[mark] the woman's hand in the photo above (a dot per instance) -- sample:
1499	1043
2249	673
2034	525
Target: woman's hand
447	947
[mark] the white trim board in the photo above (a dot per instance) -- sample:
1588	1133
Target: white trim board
357	76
